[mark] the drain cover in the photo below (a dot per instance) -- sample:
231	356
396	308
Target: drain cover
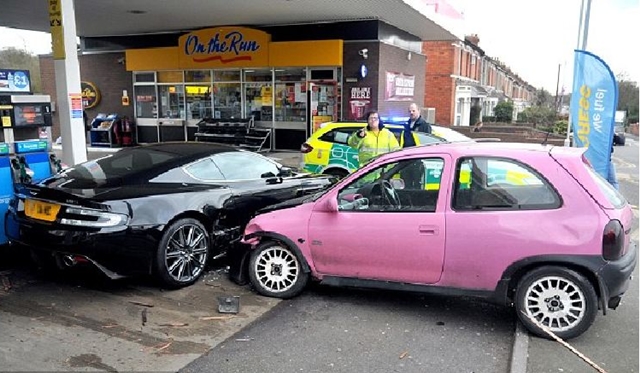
229	304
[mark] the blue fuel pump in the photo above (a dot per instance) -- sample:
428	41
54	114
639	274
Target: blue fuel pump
6	187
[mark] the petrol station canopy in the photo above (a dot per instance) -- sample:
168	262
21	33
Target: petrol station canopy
134	17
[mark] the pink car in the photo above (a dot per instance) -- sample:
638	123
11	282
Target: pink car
523	225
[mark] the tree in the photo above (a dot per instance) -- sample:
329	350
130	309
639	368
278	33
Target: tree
504	112
543	98
21	59
542	115
628	97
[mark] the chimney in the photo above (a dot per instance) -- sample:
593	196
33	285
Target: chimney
473	39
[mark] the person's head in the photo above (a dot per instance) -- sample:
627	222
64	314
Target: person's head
373	119
414	111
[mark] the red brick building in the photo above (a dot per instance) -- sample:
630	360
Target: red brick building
459	76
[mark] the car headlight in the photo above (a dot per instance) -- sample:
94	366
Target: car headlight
81	217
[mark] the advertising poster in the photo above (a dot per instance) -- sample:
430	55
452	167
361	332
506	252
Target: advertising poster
76	105
14	81
593	108
319	119
399	87
359	102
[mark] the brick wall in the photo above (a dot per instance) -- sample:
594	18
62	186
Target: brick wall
439	86
106	72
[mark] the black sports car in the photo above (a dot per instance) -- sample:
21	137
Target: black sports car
163	209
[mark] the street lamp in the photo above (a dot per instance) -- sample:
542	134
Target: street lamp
583	33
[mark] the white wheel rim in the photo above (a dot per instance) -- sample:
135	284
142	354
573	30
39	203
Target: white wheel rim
556	302
277	269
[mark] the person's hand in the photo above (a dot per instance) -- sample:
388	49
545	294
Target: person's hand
362	133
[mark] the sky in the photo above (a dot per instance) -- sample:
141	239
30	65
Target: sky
532	37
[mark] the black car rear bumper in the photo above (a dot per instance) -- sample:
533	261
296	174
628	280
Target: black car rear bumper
125	251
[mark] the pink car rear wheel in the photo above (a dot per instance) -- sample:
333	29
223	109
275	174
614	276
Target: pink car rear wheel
562	300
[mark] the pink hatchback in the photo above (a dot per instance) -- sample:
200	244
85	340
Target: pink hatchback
526	225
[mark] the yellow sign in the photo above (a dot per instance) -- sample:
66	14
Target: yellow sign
224	47
266	94
196	89
6	121
57	33
319	119
90	95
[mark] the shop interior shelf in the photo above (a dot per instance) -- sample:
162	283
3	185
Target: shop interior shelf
236	132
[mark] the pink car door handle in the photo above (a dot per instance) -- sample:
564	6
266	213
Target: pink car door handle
428	229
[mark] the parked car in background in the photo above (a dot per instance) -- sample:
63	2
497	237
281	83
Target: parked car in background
326	150
163	209
619	137
552	240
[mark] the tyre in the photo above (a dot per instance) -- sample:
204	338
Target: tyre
276	271
561	299
182	253
47	261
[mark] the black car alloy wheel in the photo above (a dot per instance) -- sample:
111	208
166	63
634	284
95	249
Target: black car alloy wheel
183	252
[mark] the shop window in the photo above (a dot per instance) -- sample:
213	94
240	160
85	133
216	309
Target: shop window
171	101
144	77
198	101
290	75
145	101
198	76
170	77
227	100
259	94
317	74
226	75
290	102
290	95
258	75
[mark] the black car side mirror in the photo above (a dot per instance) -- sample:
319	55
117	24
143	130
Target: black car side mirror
285	172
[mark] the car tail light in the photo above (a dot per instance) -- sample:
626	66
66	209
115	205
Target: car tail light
306	148
613	240
82	217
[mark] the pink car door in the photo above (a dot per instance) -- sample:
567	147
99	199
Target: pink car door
389	225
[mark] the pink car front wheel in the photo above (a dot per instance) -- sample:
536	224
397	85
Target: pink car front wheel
276	271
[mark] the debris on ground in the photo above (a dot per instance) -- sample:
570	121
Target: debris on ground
208	318
175	324
144	316
229	304
141	304
6	282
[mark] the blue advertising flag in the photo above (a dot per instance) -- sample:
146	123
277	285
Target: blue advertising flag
593	107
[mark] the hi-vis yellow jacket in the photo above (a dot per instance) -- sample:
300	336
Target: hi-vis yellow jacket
373	144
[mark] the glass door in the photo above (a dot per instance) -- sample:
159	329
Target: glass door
258	96
322	106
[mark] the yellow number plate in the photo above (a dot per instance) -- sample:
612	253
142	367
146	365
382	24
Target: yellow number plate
41	210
